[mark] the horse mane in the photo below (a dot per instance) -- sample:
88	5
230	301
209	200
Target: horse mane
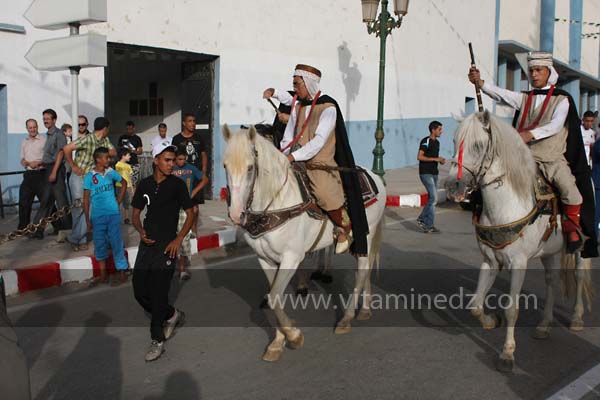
507	146
272	163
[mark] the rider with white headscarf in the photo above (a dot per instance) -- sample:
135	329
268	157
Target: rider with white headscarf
545	118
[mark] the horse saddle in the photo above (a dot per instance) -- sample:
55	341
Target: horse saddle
368	187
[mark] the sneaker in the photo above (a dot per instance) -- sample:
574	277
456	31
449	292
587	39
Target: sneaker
185	276
170	325
425	228
433	229
155	350
420	223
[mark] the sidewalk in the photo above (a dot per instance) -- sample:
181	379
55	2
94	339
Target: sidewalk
30	264
25	252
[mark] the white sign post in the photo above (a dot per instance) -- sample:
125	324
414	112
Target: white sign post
73	52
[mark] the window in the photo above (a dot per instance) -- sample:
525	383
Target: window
151	106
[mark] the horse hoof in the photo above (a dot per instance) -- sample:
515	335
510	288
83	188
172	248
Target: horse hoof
272	355
505	365
302	292
576	326
364	315
264	304
326	278
316	276
540	333
496	322
343	328
297	343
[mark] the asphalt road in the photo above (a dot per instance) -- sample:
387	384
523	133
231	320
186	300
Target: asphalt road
90	343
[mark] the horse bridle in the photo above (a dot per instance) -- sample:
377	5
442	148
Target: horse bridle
476	182
250	199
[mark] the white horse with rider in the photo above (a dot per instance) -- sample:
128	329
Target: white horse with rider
260	178
502	168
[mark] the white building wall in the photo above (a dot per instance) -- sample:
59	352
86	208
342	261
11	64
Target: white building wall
258	47
520	21
30	91
590	47
561	31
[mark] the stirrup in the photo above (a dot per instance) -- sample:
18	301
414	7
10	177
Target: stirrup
342	247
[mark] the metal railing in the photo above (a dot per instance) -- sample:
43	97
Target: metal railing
2	205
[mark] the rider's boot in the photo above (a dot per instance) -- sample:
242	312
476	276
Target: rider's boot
343	229
571	227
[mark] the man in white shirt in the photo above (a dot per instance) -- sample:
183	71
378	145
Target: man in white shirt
588	134
542	124
162	136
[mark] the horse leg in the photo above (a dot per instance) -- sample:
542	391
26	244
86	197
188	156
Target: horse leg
577	317
327	254
487	276
506	360
343	326
302	288
286	331
542	331
365	310
270	270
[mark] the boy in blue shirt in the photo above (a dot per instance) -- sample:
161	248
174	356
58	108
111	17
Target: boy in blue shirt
194	181
105	221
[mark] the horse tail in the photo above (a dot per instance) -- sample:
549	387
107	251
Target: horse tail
571	266
376	246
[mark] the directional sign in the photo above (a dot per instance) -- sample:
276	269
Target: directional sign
58	14
87	50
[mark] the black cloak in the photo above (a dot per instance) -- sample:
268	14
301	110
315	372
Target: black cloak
575	156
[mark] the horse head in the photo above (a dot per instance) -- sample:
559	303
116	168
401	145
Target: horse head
240	165
255	170
472	140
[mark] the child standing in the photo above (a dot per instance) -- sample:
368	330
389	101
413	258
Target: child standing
105	221
190	175
125	170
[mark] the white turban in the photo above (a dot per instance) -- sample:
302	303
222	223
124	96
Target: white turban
311	77
542	59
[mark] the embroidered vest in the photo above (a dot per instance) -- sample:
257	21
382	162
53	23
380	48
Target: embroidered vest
327	152
551	148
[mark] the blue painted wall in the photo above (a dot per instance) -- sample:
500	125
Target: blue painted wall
547	13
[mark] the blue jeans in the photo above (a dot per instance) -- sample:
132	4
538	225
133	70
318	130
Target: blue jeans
79	232
107	229
428	214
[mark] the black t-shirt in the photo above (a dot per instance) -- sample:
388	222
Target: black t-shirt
131	142
431	148
194	147
163	201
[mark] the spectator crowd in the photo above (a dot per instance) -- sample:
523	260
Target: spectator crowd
97	181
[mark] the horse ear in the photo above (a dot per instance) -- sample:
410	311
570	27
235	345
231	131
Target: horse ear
252	133
226	133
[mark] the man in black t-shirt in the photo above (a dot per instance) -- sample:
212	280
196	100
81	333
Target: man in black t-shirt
429	151
193	145
132	142
163	195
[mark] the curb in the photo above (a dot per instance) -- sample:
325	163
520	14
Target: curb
80	269
413	200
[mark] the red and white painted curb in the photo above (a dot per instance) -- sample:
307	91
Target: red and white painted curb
413	200
80	269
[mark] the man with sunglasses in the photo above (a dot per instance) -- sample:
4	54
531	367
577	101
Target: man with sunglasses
83	126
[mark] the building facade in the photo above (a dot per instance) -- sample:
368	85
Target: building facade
215	59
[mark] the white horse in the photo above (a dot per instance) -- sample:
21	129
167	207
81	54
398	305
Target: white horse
503	168
256	170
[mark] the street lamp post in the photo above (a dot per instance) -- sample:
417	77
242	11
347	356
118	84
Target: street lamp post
382	27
